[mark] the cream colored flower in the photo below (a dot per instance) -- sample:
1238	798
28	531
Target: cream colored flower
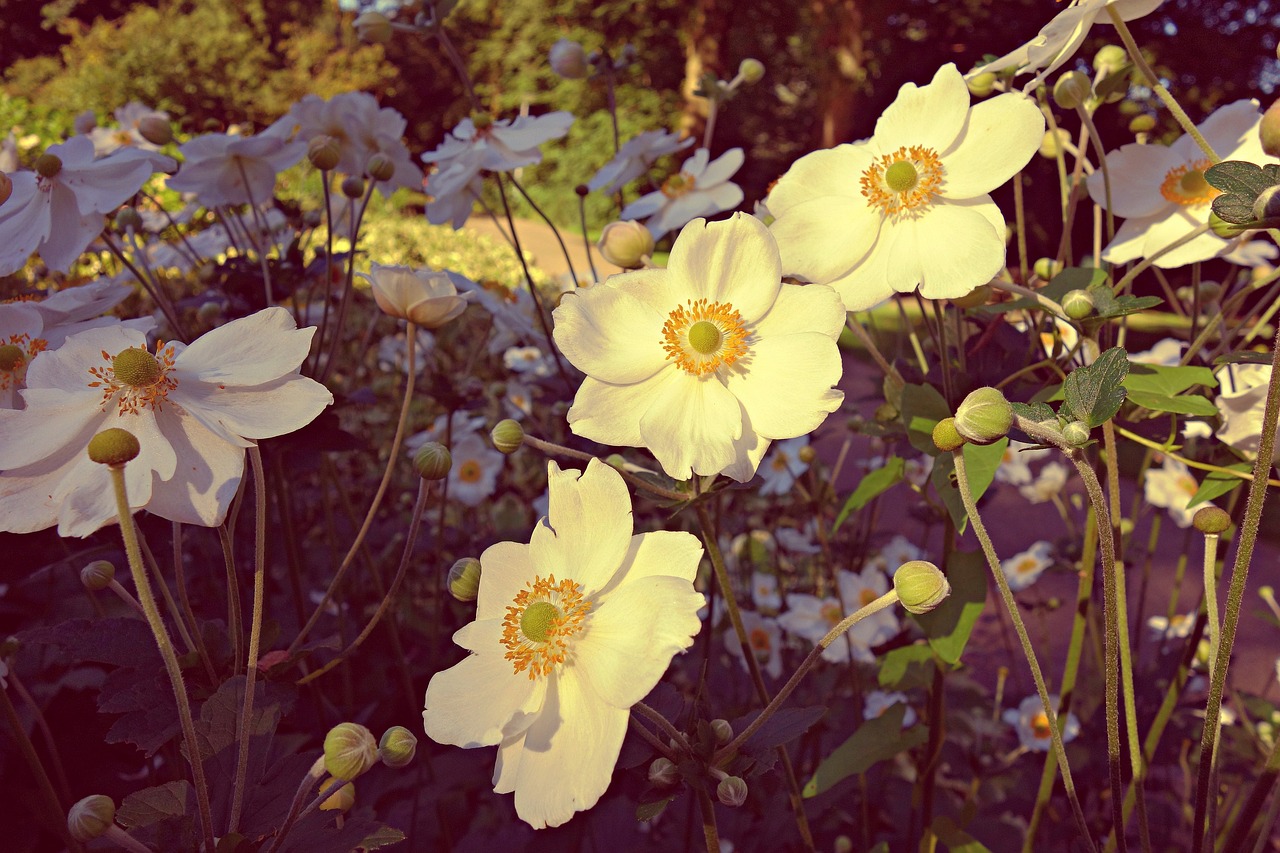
426	298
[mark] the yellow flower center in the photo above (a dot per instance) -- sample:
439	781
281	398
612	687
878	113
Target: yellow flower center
681	183
1186	185
761	644
702	336
780	462
905	182
469	471
540	623
15	354
1039	724
1027	565
135	379
866	596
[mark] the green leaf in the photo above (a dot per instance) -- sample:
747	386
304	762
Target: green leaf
872	486
1239	177
1184	404
1158	379
981	461
783	727
949	626
382	836
1073	278
895	664
648	811
956	839
1236	209
922	408
1121	306
156	805
1035	412
1218	484
875	741
1094	393
1244	357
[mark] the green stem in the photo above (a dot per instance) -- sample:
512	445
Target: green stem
553	449
709	834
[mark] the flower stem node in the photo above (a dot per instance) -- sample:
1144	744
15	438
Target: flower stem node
626	244
464	579
324	152
340	800
1211	520
751	71
380	167
1046	268
349	751
732	791
723	731
1078	304
1269	130
985	416
48	165
921	586
508	436
352	187
981	85
663	773
6	187
91	817
945	436
114	446
373	28
97	575
1110	58
1076	434
397	747
433	461
568	58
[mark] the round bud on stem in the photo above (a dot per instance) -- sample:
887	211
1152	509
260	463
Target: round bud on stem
397	747
97	575
1046	268
1224	229
507	435
945	436
1071	90
984	416
380	167
568	59
373	28
751	71
1110	58
1055	142
464	579
114	446
722	730
6	187
128	220
1211	521
433	461
663	773
1267	204
324	152
349	751
1142	123
732	791
1076	433
807	454
1269	130
48	165
981	85
626	244
1077	304
155	130
91	817
921	586
352	187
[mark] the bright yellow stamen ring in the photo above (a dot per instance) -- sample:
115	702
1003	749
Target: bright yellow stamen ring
904	182
1040	726
681	183
540	623
1186	185
703	336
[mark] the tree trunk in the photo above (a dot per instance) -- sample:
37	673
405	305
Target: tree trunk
705	35
843	71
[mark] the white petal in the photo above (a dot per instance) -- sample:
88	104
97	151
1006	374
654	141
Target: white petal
505	568
830	173
610	414
262	411
480	701
721	169
1136	173
590	512
822	239
206	476
691	424
998	139
734	261
250	351
1227	129
804	308
959	249
930	115
788	386
608	333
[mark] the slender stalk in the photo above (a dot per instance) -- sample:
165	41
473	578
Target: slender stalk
308	784
564	250
262	231
50	742
348	285
551	448
234	626
662	723
154	566
328	273
1086	121
864	338
586	240
1020	219
1150	259
709	833
180	576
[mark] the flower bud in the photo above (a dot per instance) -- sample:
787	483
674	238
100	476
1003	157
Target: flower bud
974	298
732	791
397	747
1076	433
1071	90
663	773
626	244
349	750
464	579
981	85
380	167
568	59
1267	205
324	152
373	28
97	575
1054	143
945	436
807	454
921	586
984	416
1110	58
751	71
91	817
1209	291
723	731
1047	268
1077	304
114	446
1269	130
85	122
48	165
155	130
432	461
340	800
352	187
128	220
1211	520
1224	229
508	436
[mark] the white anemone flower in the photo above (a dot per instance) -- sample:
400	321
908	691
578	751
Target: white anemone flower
895	552
474	474
1024	569
783	465
857	591
707	361
1161	193
1166	352
811	618
194	409
1177	627
908	207
1242	397
1031	723
426	298
764	591
571	630
222	168
1171	487
500	145
635	157
131	117
1059	40
59	209
701	188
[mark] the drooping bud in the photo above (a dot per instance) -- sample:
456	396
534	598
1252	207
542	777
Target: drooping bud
508	436
732	791
1047	268
155	130
981	85
751	71
380	167
373	28
723	731
1110	58
945	436
464	579
1055	142
352	186
1071	90
984	416
663	773
1211	520
340	800
626	243
921	586
97	575
349	751
91	817
1077	304
433	461
1269	130
324	152
48	165
568	59
397	747
128	220
114	446
6	187
1076	434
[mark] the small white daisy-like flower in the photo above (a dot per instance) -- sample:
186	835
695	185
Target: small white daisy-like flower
1031	723
528	361
476	465
856	592
1024	569
701	188
1171	487
764	591
783	465
765	639
810	618
1050	482
1242	397
1166	352
223	169
634	158
895	552
1176	628
1015	464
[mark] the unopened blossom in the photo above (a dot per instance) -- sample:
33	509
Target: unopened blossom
426	298
1171	487
635	157
1242	397
705	362
1161	192
764	637
194	409
221	168
783	465
701	188
568	59
1024	569
571	630
58	210
909	207
877	702
1031	723
1059	40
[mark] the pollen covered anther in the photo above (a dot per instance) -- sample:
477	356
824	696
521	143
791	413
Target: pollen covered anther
135	379
540	623
703	336
903	182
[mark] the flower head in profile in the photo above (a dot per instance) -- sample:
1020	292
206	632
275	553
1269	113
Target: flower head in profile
426	298
1161	192
701	188
136	122
1031	723
571	630
221	168
908	207
194	410
1171	487
1022	570
635	157
707	361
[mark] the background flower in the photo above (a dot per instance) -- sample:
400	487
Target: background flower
1031	723
701	188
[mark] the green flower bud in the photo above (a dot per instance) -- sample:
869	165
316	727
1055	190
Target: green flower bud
751	70
1269	130
48	165
1054	143
373	28
921	586
380	167
352	187
1071	90
1142	123
1267	205
945	436
156	130
1077	304
807	454
97	575
1224	229
722	730
568	59
1076	433
508	436
843	844
974	298
663	773
1210	291
981	85
1047	268
1211	520
91	817
433	461
984	416
6	187
340	800
626	244
464	579
732	791
349	750
324	152
114	446
397	747
128	219
1110	59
